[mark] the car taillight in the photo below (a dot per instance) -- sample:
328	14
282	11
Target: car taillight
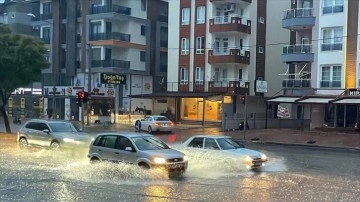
171	123
157	123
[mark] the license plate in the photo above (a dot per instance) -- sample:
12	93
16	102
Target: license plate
179	165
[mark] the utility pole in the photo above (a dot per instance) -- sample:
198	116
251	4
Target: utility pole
88	69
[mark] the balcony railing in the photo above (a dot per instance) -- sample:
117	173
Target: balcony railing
110	9
228	23
297	13
111	63
110	36
238	87
330	84
41	17
229	55
296	83
297	48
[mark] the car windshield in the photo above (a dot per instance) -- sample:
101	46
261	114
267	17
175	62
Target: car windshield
63	127
149	143
228	143
161	118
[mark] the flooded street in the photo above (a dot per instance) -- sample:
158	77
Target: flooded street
292	174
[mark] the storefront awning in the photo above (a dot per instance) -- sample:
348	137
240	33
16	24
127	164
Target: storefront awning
315	100
347	101
283	99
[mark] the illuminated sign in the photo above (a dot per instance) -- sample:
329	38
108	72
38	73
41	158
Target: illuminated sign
112	78
353	92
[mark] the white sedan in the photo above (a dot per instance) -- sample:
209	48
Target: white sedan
155	123
228	147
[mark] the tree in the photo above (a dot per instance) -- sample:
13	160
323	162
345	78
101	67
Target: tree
21	60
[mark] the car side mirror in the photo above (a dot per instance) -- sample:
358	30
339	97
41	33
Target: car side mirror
142	120
129	149
46	131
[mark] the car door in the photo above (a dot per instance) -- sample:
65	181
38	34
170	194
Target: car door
145	124
106	148
211	144
122	155
43	137
36	134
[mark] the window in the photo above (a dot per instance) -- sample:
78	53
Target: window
332	39
46	33
143	5
333	6
199	75
46	8
224	74
330	76
210	144
95	27
108	141
185	49
184	75
200	18
143	30
200	43
196	142
240	74
122	143
185	16
142	56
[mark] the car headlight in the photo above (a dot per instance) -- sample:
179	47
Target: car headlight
159	160
68	140
263	157
248	158
185	158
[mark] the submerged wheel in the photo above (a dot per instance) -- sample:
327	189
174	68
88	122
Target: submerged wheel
23	142
94	160
150	129
55	145
144	165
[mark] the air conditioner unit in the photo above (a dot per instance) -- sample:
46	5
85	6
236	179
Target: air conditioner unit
230	7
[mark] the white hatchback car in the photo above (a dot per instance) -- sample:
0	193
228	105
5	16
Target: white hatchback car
229	147
156	123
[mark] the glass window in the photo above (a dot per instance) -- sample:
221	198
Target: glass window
332	39
122	143
196	142
200	45
333	6
108	141
62	127
149	143
200	15
185	16
199	75
46	8
210	144
143	5
240	75
142	56
228	143
143	30
185	49
330	76
184	75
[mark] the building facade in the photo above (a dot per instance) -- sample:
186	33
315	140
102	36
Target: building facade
88	39
322	59
219	59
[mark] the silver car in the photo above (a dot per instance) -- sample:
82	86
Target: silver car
55	134
155	123
227	147
143	150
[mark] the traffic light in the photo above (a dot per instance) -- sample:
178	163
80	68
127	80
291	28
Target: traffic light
82	96
242	99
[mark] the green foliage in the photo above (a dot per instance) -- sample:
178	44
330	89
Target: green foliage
21	60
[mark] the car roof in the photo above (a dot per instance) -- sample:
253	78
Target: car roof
156	116
49	121
211	136
127	134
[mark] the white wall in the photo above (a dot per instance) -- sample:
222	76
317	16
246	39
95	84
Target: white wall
173	41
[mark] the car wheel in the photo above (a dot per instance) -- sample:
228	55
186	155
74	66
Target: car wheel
55	145
94	160
144	165
150	129
23	142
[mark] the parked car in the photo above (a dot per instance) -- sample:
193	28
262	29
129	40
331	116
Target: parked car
143	150
155	123
229	148
54	134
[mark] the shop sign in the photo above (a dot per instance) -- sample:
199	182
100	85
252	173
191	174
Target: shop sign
112	78
353	92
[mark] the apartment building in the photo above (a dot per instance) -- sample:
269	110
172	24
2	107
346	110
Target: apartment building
321	83
89	39
219	58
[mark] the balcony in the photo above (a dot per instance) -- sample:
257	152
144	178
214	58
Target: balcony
110	63
297	53
226	55
237	87
41	17
298	19
110	9
110	36
230	24
296	83
186	86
